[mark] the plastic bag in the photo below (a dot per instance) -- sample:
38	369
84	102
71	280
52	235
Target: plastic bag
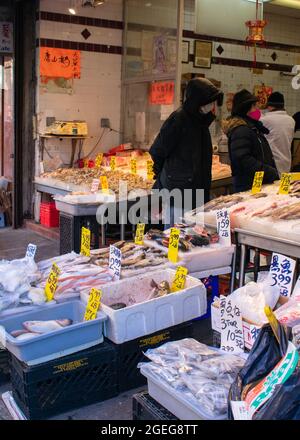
264	356
221	365
289	313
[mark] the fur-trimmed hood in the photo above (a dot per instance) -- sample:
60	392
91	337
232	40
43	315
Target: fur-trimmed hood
235	121
229	124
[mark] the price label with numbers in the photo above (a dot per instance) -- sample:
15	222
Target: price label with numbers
85	242
223	226
52	281
133	166
257	182
93	305
239	410
180	279
98	161
115	261
232	337
173	245
104	183
285	183
95	185
139	235
31	250
150	173
281	274
113	163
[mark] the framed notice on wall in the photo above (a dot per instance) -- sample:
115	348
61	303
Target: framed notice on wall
202	54
185	52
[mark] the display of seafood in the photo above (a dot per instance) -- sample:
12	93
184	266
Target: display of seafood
85	177
160	289
36	328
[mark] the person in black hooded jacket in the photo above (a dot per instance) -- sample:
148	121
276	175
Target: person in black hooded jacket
249	150
182	151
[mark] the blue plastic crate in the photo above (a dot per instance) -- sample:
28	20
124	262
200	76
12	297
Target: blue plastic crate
211	283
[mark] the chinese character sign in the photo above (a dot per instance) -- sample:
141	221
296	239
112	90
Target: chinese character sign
223	225
31	250
180	279
285	183
93	305
52	281
115	261
281	274
162	93
59	63
6	37
173	245
257	182
232	338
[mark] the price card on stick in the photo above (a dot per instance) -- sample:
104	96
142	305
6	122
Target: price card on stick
257	182
98	160
52	281
93	305
232	338
285	183
104	183
85	242
133	166
150	172
139	235
115	261
223	227
282	274
173	245
95	185
86	163
31	250
180	279
113	163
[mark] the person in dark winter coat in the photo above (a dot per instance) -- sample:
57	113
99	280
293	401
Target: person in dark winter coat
182	151
249	150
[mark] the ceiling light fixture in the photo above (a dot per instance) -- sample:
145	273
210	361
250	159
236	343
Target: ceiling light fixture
72	7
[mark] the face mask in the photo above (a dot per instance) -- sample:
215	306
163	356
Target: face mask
256	115
207	108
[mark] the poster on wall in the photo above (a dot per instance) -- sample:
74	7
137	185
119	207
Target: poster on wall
203	54
6	37
160	55
59	63
262	92
162	93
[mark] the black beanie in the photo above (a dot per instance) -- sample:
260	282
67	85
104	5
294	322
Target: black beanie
276	100
242	103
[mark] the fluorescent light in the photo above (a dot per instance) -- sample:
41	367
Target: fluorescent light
72	11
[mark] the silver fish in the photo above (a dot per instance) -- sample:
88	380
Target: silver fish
27	335
42	327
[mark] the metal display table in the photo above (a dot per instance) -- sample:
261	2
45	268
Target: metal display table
269	243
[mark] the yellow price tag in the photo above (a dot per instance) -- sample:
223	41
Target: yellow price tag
285	183
139	235
104	183
273	321
295	176
98	161
86	163
52	281
180	279
133	166
113	163
173	245
85	242
93	305
150	173
257	182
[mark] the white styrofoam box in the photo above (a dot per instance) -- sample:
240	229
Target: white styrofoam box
250	330
172	400
142	317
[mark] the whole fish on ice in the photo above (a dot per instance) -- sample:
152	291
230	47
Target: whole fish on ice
46	326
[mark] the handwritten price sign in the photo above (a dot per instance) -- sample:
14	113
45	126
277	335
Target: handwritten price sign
139	235
180	279
113	163
115	261
150	173
232	338
257	182
98	161
31	251
173	245
52	281
282	274
93	305
285	183
223	226
85	242
133	166
95	185
104	183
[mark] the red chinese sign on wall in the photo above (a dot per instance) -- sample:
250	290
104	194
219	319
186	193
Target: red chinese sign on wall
262	92
59	63
162	93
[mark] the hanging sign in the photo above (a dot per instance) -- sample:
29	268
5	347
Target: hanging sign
180	279
150	173
257	182
6	37
232	338
133	166
223	227
104	183
282	274
98	160
93	305
139	235
52	281
162	93
173	245
85	242
285	183
113	163
115	261
31	250
95	185
59	63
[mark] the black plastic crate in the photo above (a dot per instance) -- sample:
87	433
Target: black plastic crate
130	354
67	383
4	366
146	408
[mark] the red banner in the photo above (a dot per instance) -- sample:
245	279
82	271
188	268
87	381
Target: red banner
59	63
162	93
